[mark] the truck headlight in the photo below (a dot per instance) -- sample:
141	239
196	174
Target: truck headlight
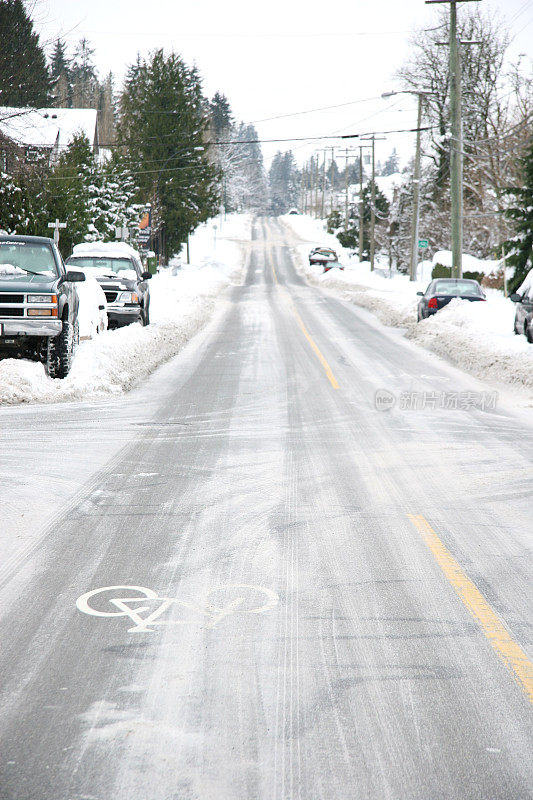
128	297
42	298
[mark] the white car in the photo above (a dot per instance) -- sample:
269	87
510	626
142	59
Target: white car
92	314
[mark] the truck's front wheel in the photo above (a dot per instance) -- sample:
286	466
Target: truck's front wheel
60	351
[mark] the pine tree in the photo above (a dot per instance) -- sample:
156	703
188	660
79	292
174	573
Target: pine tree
284	183
13	209
72	192
252	184
163	121
519	249
221	116
83	76
24	77
392	164
60	74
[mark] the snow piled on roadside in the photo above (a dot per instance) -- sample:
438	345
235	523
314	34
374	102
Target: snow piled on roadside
476	337
183	298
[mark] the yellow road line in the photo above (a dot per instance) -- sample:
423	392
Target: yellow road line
508	650
326	366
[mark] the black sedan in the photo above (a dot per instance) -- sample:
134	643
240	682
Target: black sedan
442	290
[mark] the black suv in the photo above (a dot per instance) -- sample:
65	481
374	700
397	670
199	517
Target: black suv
119	271
38	303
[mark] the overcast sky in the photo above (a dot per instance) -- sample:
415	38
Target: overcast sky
279	58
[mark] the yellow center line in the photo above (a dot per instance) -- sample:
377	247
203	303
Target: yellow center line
508	650
314	347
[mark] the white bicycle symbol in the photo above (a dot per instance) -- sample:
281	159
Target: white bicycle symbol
211	614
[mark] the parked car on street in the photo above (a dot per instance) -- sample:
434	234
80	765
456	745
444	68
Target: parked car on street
441	291
92	314
38	303
119	270
523	320
325	257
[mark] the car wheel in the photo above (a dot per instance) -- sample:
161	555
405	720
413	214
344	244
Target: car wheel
60	351
529	334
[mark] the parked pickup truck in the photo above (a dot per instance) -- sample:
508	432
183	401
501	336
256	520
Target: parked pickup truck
38	303
119	270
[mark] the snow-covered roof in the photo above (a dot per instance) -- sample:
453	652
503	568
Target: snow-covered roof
104	249
48	127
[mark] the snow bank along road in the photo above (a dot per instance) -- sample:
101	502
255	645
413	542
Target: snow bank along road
273	585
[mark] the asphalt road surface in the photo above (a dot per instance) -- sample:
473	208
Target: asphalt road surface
306	594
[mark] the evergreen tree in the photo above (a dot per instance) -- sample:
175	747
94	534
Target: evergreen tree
116	201
72	192
350	237
221	116
24	77
284	183
519	249
252	186
60	74
13	205
59	63
391	165
163	122
83	77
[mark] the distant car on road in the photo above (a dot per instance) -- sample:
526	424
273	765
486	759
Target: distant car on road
523	321
326	257
441	291
119	270
293	211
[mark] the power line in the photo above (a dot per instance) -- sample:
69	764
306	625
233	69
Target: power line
313	110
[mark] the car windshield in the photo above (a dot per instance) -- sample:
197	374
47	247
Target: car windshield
456	288
102	263
18	258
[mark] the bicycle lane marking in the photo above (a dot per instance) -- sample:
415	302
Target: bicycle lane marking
127	608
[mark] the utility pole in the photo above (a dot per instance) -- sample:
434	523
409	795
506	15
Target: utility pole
456	150
416	197
346	199
456	155
302	192
361	229
416	179
373	207
347	155
331	174
322	211
314	169
373	139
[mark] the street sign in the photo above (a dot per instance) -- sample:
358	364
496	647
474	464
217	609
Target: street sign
423	243
56	226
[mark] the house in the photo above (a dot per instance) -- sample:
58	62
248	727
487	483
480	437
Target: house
28	134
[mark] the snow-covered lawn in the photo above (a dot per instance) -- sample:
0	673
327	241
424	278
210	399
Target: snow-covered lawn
182	300
477	337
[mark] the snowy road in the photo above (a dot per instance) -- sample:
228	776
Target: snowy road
311	597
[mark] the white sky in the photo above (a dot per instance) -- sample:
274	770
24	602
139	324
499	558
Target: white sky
278	58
